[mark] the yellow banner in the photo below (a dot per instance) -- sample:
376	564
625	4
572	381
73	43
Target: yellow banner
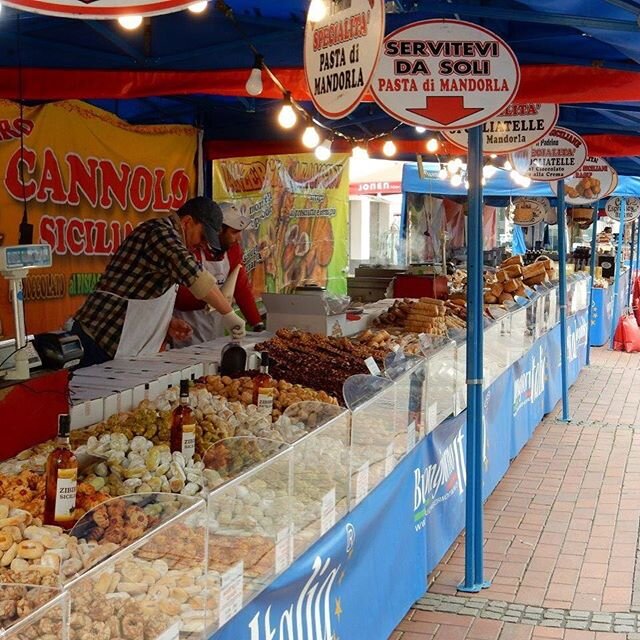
299	210
86	179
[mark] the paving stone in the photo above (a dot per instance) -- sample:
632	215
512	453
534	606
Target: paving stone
473	604
530	621
548	622
468	611
518	607
510	619
579	615
601	617
532	609
623	628
599	626
577	624
449	608
492	615
552	615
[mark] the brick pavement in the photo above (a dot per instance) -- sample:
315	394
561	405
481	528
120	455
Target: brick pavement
561	529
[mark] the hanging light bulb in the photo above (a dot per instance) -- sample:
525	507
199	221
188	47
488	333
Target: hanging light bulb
466	184
420	129
484	181
493	156
452	167
442	174
516	177
323	151
359	153
432	145
198	7
310	138
507	165
254	82
489	170
458	162
317	11
287	117
456	180
130	22
525	181
389	148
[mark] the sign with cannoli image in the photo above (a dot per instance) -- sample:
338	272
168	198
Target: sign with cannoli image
596	179
558	155
298	208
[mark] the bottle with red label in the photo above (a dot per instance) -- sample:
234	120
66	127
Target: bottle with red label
183	425
61	480
263	387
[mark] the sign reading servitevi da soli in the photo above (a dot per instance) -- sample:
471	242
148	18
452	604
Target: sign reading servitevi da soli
99	9
341	49
445	74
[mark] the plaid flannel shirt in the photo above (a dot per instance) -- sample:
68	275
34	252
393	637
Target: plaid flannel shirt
149	261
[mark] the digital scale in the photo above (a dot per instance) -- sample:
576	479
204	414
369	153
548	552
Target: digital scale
15	264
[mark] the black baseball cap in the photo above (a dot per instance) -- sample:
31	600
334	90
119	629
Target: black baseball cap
208	212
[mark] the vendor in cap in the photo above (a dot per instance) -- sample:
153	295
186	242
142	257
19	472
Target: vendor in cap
220	261
129	314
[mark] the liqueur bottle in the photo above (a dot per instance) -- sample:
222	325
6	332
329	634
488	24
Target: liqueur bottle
61	480
183	425
262	389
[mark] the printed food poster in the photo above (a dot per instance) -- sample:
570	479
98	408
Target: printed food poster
86	179
298	208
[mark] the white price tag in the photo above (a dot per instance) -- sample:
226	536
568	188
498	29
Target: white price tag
231	587
362	482
432	416
328	513
389	460
172	633
411	436
372	365
284	549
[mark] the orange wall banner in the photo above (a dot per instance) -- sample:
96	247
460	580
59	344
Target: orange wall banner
86	179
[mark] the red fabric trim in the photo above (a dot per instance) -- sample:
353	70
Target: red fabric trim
608	146
552	83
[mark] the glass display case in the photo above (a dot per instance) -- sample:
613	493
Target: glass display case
320	479
496	358
372	401
250	529
443	376
33	612
152	581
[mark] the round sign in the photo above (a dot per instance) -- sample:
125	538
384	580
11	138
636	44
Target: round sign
529	211
631	211
340	53
558	155
445	74
517	127
99	9
614	183
592	182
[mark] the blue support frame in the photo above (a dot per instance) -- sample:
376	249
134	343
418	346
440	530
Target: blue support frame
632	258
474	534
562	254
616	278
592	273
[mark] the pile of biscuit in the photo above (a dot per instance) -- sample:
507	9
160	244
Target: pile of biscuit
513	275
427	315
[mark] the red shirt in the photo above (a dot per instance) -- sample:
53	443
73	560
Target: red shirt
243	294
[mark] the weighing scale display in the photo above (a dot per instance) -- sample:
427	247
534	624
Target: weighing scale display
25	257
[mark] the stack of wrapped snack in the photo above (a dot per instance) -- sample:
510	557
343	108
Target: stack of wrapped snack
427	316
538	271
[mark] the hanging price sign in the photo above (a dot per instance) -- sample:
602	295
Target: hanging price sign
596	179
631	211
517	127
341	49
557	156
445	74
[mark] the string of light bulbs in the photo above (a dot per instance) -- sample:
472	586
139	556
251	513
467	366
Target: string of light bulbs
316	135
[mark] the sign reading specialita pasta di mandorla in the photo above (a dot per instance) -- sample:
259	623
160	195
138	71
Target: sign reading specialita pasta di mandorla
445	74
99	9
596	179
340	53
558	155
517	127
631	210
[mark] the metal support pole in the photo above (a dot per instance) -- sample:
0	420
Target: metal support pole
474	535
633	248
592	273
616	277
562	254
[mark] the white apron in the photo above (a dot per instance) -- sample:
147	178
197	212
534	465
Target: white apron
206	325
145	325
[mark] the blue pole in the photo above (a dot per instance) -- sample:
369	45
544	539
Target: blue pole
404	253
592	272
616	277
632	257
562	254
474	535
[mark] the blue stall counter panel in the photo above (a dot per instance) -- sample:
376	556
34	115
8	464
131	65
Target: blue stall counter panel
602	311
